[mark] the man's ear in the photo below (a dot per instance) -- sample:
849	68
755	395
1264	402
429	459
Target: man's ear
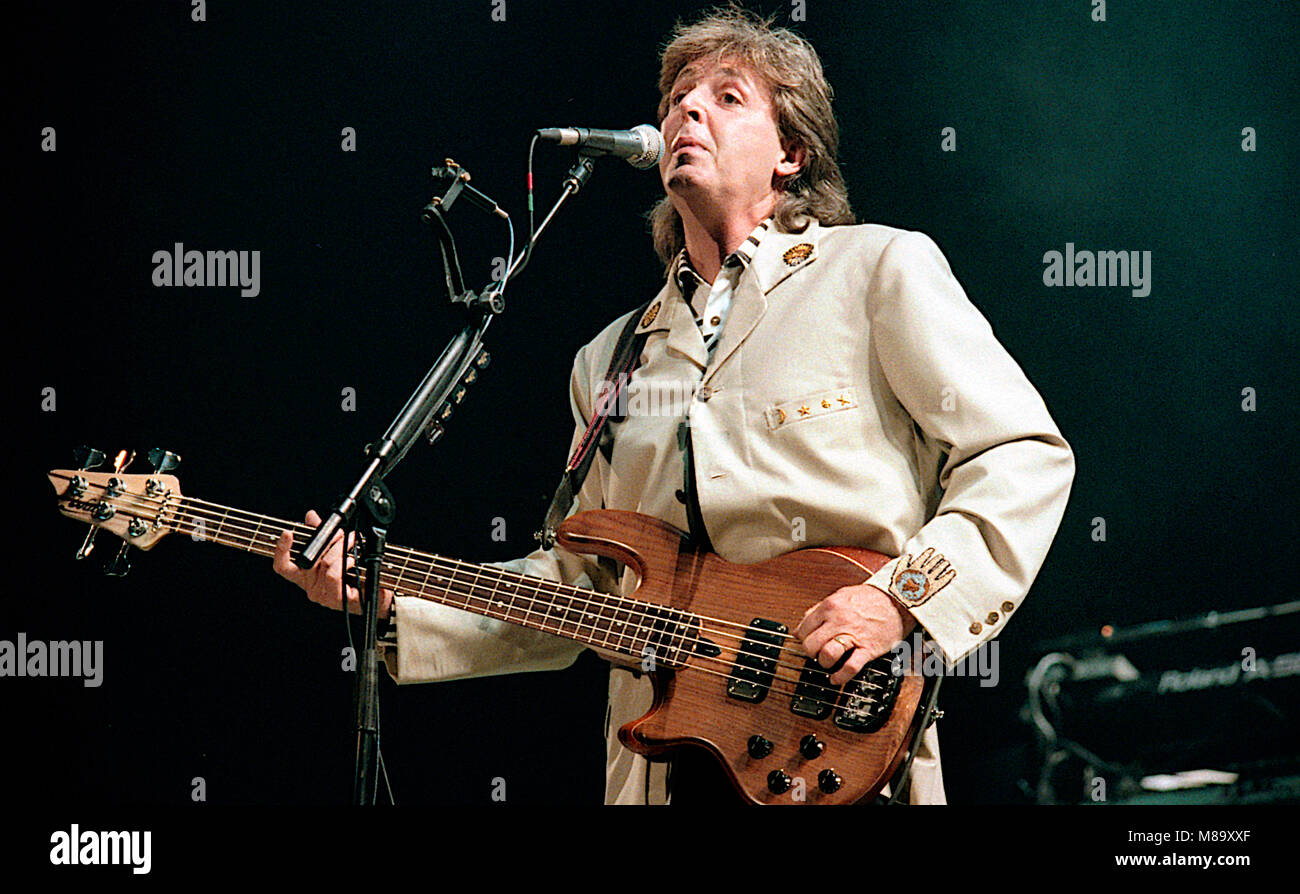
791	162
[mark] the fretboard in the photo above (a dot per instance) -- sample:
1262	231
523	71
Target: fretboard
611	622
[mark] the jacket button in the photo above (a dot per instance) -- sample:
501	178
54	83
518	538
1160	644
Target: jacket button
704	393
1007	607
992	618
681	496
976	627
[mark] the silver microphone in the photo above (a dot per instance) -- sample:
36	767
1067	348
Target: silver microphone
641	146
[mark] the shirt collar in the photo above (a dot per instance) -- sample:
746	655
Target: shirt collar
688	280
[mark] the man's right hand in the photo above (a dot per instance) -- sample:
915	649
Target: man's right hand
323	581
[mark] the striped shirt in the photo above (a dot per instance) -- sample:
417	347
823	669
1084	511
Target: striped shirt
712	303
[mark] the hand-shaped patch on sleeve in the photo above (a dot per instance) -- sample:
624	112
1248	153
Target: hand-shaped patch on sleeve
916	581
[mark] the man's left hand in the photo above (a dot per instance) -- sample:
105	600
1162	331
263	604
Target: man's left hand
862	621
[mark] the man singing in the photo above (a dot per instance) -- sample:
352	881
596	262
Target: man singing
842	391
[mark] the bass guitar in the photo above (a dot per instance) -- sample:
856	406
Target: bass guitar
713	636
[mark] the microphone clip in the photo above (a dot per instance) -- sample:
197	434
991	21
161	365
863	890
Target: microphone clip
460	186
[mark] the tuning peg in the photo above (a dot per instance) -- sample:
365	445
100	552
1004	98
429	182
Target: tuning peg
163	460
88	457
123	459
87	545
119	566
103	512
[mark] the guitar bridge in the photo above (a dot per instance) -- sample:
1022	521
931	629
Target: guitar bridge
869	697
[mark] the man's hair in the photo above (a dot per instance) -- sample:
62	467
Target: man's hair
801	98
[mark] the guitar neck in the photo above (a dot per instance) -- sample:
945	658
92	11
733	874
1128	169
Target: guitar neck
610	622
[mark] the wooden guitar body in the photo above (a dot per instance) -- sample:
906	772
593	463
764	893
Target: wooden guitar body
693	705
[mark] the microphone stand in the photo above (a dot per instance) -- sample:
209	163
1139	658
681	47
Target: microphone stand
425	412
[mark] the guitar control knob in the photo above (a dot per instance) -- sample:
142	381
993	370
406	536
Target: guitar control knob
829	781
811	747
759	747
778	782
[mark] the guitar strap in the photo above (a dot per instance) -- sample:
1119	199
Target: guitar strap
627	354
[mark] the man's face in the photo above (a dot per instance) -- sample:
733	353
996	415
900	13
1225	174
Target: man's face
721	138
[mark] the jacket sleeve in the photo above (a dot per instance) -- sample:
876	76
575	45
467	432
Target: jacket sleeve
1006	470
437	642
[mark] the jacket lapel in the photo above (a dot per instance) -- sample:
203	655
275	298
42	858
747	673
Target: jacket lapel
779	256
669	312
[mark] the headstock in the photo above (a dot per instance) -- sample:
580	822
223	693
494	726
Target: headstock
139	508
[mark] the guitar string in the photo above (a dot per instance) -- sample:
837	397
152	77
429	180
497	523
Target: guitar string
492	575
773	686
458	564
265	548
226	522
268	549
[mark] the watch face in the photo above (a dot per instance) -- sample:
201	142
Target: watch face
911	585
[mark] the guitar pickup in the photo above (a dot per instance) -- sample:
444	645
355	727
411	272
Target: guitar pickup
751	676
814	696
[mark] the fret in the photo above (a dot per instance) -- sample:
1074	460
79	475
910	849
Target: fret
566	613
424	584
491	604
398	583
491	599
548	610
588	619
216	535
641	633
256	531
624	624
466	600
503	584
552	607
605	623
514	592
534	617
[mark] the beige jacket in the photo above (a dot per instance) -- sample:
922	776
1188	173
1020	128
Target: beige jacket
856	398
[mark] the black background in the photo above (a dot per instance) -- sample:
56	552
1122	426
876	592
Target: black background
225	134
